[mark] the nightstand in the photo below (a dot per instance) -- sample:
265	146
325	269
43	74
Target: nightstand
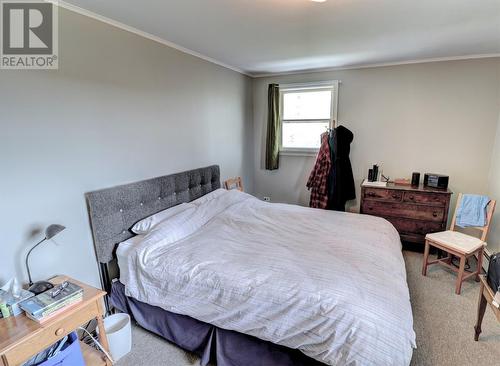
21	338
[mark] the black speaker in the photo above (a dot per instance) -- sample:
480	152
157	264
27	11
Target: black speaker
370	175
415	179
436	180
375	173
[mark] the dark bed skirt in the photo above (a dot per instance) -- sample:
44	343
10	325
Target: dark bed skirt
218	346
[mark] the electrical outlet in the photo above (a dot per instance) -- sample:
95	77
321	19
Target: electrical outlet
267	199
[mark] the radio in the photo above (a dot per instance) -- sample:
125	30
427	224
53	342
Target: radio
436	180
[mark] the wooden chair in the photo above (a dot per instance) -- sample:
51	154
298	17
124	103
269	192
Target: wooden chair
234	183
459	245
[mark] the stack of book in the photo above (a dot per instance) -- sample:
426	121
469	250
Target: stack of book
48	304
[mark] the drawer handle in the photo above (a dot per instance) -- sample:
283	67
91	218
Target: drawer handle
394	196
370	208
412	198
435	214
371	194
59	331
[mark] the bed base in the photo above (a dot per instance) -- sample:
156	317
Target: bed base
212	344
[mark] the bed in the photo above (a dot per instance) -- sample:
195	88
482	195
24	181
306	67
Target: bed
244	282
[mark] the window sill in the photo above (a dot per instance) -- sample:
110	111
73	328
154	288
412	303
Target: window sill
299	152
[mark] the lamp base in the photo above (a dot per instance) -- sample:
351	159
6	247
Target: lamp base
40	286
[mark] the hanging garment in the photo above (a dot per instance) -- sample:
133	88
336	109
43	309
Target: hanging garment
318	179
341	181
332	136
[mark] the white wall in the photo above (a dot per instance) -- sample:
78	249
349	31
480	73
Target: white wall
433	117
494	192
120	108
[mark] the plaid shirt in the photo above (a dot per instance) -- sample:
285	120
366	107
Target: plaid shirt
318	180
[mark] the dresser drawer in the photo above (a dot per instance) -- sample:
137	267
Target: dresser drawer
426	198
406	226
382	194
404	210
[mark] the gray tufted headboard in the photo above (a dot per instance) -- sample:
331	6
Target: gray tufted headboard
113	211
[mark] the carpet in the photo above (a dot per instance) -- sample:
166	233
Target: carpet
443	322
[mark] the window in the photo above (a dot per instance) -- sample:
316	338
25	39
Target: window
307	110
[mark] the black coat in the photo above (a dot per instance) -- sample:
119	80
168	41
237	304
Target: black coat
341	181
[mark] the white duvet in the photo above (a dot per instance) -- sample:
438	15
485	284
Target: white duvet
330	284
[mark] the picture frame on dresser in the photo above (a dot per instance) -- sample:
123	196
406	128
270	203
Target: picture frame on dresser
414	211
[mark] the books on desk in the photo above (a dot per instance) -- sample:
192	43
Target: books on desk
48	304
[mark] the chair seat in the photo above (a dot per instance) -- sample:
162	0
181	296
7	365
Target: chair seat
457	241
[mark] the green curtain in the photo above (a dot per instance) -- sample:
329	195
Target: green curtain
273	127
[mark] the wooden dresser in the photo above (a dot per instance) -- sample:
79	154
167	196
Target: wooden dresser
414	211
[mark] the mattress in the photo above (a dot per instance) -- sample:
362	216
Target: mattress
124	253
330	284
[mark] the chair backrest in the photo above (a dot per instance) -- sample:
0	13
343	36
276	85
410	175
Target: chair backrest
234	183
490	210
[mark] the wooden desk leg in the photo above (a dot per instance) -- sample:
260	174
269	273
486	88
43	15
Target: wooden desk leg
481	308
103	339
479	263
426	257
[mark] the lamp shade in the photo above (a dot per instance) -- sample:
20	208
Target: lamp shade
53	230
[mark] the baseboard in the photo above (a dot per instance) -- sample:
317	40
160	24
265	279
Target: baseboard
486	259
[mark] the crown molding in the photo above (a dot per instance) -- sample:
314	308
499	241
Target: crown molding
114	23
382	64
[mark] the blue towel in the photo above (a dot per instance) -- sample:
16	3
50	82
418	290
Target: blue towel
472	210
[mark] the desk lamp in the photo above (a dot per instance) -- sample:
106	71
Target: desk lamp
41	286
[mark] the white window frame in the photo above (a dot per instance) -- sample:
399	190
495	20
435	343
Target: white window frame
312	86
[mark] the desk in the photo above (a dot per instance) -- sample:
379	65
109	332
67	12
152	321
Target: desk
485	297
21	338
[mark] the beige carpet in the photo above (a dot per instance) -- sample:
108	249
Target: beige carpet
443	322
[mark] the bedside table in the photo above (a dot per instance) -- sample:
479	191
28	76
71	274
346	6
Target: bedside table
21	338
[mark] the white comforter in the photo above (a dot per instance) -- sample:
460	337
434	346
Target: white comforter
330	284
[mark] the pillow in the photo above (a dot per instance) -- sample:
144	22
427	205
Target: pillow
145	225
168	232
209	196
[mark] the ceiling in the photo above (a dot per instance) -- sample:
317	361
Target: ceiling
276	36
